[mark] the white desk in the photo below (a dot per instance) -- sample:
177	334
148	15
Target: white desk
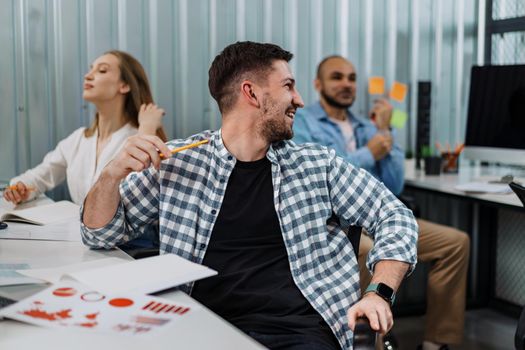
497	226
445	183
200	330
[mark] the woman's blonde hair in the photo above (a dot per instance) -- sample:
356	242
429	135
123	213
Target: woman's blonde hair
132	73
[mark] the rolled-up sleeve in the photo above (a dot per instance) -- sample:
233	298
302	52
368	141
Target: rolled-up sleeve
361	200
137	211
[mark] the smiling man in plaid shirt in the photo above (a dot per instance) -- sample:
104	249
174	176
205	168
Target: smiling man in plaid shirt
262	211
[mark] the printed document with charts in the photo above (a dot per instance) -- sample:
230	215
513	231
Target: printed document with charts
74	306
110	293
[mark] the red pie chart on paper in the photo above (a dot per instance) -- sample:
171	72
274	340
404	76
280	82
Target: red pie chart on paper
121	302
64	292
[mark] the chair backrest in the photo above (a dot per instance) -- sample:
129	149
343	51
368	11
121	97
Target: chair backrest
519	190
354	235
365	338
519	337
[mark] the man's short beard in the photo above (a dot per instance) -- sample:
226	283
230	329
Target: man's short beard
273	130
334	103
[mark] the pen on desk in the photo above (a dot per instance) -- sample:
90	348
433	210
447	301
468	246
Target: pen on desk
178	149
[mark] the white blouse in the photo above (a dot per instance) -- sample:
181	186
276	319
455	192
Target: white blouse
75	160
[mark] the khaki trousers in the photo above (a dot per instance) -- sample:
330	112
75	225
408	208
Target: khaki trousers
448	250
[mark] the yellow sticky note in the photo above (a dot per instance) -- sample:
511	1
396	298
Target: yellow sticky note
399	119
398	91
376	85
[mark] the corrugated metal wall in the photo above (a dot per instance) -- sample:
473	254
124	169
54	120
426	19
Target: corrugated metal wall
47	46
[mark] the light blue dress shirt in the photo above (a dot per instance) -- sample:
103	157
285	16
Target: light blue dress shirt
312	124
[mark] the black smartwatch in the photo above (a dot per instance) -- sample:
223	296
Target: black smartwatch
383	291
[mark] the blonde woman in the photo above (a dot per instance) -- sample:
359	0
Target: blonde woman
118	87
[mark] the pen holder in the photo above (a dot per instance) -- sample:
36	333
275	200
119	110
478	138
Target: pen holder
450	162
433	165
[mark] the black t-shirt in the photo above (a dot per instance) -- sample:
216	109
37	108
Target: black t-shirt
254	289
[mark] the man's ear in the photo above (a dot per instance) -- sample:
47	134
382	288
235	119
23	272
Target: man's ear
124	88
248	90
317	84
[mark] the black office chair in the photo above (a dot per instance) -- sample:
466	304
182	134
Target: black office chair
365	338
519	337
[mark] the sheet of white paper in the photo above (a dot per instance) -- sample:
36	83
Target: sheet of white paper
74	306
53	275
484	187
9	275
143	276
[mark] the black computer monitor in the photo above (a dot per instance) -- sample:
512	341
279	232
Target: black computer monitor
496	114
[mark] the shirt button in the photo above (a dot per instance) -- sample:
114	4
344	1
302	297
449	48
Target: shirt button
214	211
221	181
230	157
203	245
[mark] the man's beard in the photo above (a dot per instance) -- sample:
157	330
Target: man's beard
333	103
274	130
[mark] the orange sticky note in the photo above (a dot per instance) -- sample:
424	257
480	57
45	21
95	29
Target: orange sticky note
376	85
398	91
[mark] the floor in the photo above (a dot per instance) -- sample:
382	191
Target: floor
484	330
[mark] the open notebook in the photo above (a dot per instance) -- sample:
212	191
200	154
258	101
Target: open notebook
42	214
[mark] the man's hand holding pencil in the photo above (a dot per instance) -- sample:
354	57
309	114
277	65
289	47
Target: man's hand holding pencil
139	153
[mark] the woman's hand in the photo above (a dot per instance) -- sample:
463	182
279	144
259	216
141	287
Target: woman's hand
17	193
150	119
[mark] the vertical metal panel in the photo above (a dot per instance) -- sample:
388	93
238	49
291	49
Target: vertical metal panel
122	24
268	20
414	70
391	52
368	35
254	21
460	20
293	37
183	59
8	108
21	121
240	20
438	44
343	27
316	20
482	8
213	110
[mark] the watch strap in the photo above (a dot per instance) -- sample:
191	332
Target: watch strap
374	288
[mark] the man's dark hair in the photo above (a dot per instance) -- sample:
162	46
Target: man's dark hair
321	64
240	61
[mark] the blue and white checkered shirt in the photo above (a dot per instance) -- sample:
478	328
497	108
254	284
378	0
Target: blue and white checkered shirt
310	184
